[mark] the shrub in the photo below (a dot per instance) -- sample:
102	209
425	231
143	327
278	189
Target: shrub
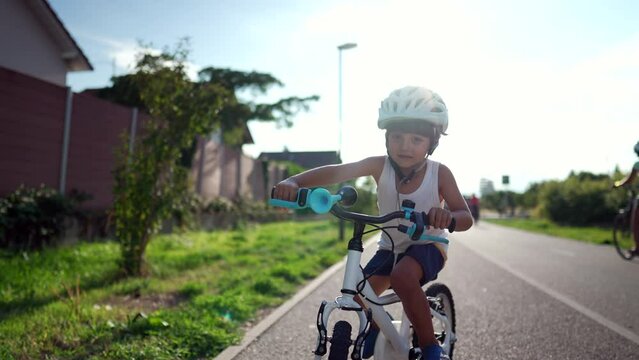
578	201
33	217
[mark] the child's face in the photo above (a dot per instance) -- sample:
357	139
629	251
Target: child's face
407	149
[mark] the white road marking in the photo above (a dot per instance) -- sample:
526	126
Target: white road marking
563	298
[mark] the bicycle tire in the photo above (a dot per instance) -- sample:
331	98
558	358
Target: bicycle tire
622	236
441	291
341	341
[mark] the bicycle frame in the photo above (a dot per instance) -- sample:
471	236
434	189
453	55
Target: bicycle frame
353	276
321	201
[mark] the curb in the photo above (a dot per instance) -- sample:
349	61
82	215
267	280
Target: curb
250	336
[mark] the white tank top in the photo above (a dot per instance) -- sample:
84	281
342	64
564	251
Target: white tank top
425	198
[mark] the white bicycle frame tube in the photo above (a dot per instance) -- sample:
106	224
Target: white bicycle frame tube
397	339
352	277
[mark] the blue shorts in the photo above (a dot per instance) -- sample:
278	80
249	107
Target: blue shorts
428	256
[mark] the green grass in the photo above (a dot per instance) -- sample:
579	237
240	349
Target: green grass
591	234
70	303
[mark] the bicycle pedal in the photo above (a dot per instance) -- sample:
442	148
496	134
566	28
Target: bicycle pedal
415	354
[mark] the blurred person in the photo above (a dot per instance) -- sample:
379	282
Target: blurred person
627	181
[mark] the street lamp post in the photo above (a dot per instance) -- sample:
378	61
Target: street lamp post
340	48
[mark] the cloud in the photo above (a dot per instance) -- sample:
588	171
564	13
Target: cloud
123	53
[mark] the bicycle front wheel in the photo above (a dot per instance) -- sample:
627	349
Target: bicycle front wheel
622	236
341	341
445	306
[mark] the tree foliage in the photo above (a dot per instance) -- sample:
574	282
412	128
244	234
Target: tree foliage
237	113
504	202
150	182
583	198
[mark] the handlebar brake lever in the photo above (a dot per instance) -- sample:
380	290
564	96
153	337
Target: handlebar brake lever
419	225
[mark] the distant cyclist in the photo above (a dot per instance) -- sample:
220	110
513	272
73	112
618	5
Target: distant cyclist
635	213
474	207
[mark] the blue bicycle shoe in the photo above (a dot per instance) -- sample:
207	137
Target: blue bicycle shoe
433	352
369	343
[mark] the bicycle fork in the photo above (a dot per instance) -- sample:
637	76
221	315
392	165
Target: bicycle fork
352	275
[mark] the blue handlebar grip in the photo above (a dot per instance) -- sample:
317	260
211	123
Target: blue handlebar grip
284	204
411	230
434	238
301	202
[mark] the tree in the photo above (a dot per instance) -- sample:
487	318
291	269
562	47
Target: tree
236	113
502	201
151	181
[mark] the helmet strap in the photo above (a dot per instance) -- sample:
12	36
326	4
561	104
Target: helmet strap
405	179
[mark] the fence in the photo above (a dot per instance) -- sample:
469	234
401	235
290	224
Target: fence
52	136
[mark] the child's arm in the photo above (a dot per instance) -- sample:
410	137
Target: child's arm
327	175
627	180
440	218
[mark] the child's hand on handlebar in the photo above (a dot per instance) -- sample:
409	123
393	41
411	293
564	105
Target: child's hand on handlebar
285	190
439	218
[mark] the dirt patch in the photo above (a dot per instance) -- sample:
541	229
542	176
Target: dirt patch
145	303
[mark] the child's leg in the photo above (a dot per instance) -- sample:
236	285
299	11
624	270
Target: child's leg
378	271
379	284
405	280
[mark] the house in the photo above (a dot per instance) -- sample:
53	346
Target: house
305	159
35	42
66	140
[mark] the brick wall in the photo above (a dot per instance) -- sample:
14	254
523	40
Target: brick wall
32	114
32	125
97	129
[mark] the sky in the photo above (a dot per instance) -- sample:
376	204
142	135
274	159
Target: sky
534	89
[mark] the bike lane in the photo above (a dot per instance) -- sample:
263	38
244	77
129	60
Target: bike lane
499	315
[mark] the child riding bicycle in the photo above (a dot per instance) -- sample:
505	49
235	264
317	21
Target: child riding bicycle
635	212
414	119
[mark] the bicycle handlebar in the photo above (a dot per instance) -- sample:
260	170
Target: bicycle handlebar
321	201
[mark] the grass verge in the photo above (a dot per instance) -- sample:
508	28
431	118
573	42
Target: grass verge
70	303
591	234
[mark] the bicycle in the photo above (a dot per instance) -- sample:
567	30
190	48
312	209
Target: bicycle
622	235
396	339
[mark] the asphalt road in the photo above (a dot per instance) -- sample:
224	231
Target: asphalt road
517	296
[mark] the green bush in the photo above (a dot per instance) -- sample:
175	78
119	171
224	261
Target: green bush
238	213
579	200
33	217
504	202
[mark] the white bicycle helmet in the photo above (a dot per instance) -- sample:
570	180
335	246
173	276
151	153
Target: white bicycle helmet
412	103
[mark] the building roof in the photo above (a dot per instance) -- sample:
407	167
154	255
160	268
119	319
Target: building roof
71	53
305	159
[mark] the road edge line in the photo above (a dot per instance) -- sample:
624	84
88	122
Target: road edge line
250	336
593	315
